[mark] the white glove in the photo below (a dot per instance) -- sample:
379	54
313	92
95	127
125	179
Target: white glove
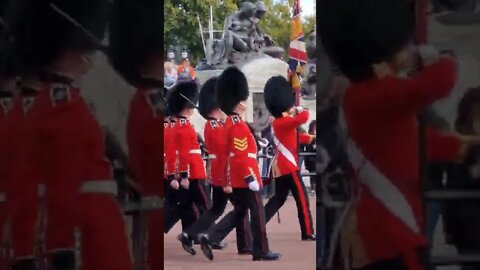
185	183
228	189
299	109
263	142
254	186
429	54
174	184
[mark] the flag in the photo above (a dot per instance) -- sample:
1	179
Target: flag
297	54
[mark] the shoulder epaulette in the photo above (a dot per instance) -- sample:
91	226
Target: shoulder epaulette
236	119
214	124
60	93
7	104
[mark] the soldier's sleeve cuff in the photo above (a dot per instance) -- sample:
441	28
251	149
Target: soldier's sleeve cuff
171	177
184	175
249	179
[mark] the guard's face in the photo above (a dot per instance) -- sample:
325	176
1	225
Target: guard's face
241	107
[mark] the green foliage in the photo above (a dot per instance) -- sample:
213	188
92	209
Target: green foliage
182	30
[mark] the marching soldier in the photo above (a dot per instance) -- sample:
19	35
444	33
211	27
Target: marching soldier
379	113
191	184
172	191
280	101
243	177
7	97
56	40
137	54
214	134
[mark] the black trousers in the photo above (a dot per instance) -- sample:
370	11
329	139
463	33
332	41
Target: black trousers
182	203
243	200
208	219
284	184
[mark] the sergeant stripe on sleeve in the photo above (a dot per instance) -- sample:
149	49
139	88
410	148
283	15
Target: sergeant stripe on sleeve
240	144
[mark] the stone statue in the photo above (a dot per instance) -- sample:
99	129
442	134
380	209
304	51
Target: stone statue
309	85
243	39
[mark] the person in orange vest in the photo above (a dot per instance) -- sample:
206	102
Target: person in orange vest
370	41
137	54
280	101
185	70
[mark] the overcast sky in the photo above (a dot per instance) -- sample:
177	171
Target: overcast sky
307	7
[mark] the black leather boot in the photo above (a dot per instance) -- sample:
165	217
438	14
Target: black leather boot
269	256
62	260
27	264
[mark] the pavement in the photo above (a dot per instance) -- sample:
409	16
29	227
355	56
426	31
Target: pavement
283	237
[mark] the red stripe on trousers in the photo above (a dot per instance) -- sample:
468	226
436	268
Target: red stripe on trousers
303	202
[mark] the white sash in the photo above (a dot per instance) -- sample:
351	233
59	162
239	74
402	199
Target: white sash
378	184
283	150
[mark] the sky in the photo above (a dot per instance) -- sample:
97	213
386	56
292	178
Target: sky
307	7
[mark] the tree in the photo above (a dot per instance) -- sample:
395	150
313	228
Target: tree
181	27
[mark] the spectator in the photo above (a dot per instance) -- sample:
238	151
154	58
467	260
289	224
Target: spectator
269	151
311	161
171	75
186	71
462	218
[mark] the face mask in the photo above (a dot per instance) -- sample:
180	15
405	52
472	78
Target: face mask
184	55
171	55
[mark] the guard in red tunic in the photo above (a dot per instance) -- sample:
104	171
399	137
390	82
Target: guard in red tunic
243	177
181	102
214	134
280	101
25	174
83	215
369	41
173	191
6	108
136	45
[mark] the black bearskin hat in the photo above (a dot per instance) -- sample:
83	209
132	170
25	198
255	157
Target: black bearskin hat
279	96
183	95
42	33
207	101
231	89
135	34
357	34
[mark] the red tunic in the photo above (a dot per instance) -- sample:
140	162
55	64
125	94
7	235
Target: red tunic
145	140
285	131
242	150
380	116
214	135
74	153
190	162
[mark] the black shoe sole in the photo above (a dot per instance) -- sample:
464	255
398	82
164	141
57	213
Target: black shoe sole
186	245
266	259
206	249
